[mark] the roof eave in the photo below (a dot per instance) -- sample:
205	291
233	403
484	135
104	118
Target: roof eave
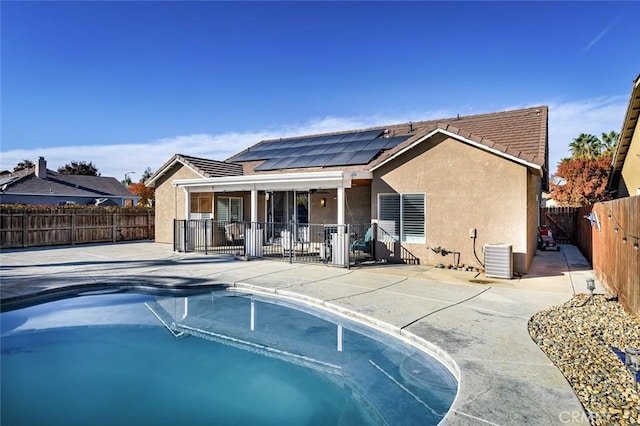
177	158
275	181
626	132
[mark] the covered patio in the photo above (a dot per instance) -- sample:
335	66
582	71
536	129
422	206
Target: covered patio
299	217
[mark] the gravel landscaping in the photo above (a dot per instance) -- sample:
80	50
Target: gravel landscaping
577	336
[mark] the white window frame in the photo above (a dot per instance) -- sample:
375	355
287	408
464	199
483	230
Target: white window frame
404	231
227	217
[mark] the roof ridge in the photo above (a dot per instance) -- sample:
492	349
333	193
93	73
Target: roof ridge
202	158
400	124
487	114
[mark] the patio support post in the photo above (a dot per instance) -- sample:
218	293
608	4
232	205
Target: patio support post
341	207
254	240
254	208
339	251
187	203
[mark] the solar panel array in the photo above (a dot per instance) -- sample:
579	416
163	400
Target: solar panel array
321	151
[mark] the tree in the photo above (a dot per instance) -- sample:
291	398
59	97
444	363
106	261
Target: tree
586	181
146	194
585	146
23	165
79	168
146	174
609	142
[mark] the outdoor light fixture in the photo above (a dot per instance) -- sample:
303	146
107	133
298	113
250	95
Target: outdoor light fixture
591	285
323	202
632	362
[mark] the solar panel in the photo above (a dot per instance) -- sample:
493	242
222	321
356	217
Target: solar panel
375	144
274	163
335	148
359	145
305	161
359	136
317	151
363	157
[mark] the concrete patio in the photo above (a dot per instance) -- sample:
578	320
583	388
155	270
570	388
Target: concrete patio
504	377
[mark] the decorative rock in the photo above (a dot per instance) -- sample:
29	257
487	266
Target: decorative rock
577	337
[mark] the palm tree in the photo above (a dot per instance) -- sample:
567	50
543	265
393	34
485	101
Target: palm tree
585	146
609	142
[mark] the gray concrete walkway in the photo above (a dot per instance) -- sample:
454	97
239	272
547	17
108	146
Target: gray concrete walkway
504	377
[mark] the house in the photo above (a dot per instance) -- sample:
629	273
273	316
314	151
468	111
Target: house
41	186
624	176
436	187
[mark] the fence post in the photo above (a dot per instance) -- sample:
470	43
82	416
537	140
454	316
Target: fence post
374	240
184	234
206	248
113	226
25	229
348	246
290	242
73	227
148	225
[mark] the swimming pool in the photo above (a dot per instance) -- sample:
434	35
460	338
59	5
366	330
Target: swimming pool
221	357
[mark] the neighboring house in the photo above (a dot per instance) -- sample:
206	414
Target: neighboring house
624	176
40	186
429	184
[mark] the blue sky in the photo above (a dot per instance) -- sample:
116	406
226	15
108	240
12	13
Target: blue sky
126	85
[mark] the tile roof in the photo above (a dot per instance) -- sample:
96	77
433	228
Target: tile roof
203	166
520	133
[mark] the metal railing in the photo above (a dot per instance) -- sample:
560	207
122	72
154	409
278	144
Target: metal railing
331	244
209	236
389	248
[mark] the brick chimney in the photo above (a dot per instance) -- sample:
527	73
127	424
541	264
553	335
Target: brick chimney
41	168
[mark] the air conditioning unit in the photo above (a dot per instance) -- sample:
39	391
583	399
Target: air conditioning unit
498	261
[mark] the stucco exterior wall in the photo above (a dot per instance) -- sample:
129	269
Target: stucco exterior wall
357	208
630	175
170	202
465	188
534	194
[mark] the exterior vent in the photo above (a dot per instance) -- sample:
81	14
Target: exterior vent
498	261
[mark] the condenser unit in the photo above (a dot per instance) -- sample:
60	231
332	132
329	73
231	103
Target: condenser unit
498	261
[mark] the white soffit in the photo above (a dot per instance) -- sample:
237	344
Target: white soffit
275	181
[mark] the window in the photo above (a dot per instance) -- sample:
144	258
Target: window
229	209
403	216
201	202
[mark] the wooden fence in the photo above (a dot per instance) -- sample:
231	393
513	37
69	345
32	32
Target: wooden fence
616	254
42	226
606	234
561	221
583	232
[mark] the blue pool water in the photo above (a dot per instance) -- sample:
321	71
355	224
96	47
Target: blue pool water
217	358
